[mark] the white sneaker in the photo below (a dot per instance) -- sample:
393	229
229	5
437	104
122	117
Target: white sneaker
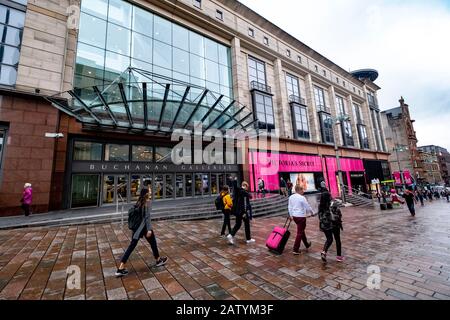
251	241
230	239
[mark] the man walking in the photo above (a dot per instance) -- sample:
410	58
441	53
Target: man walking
410	200
261	187
421	197
283	187
298	210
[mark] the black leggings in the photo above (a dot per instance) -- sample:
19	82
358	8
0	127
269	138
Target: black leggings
238	225
134	242
336	232
226	221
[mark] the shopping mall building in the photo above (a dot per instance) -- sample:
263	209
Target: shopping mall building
91	92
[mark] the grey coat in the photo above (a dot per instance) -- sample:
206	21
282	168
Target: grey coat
146	222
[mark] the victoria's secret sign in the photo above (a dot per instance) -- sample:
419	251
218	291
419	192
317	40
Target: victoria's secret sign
149	167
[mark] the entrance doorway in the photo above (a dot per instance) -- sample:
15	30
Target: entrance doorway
85	190
115	188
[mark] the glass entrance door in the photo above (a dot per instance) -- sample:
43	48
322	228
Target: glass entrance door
115	188
85	190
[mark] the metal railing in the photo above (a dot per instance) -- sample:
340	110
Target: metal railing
297	99
358	193
260	86
323	108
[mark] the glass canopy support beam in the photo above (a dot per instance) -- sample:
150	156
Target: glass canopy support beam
231	118
144	100
125	103
242	120
102	99
85	107
212	108
221	114
58	105
183	100
163	107
199	103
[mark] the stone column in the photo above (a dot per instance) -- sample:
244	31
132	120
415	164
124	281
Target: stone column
284	116
312	111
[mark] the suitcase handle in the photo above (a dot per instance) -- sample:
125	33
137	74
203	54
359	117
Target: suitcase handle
286	223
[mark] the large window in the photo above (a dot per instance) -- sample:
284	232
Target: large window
293	88
115	34
326	123
357	113
87	151
319	98
117	152
142	153
11	29
163	154
376	129
340	105
301	127
363	138
347	132
264	111
256	71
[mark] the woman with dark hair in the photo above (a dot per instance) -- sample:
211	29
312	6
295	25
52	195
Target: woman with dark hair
144	229
330	218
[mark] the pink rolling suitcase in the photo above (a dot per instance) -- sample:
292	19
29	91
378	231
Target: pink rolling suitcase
278	238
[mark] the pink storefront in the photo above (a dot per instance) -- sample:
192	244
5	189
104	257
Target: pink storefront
353	174
297	167
308	170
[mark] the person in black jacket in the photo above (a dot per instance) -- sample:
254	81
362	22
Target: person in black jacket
144	229
242	210
330	217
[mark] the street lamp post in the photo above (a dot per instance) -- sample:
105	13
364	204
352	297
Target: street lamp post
400	148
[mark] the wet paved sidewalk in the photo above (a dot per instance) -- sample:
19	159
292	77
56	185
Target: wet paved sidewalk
413	255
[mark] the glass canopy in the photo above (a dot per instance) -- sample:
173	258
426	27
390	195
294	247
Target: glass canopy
142	102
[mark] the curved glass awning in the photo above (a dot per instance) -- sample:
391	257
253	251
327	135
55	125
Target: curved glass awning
143	102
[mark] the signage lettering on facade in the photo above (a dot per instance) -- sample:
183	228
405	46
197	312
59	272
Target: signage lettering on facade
136	168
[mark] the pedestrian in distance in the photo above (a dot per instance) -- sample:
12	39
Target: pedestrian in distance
410	199
261	187
242	209
430	196
283	187
27	199
447	195
227	205
289	187
140	223
298	210
330	223
421	197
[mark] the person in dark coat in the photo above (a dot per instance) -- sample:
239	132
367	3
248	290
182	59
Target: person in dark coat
410	199
144	230
330	218
242	209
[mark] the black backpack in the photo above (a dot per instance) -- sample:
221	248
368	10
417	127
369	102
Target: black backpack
134	218
219	203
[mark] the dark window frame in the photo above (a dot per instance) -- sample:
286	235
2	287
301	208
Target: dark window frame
263	123
219	14
326	129
302	132
197	3
363	137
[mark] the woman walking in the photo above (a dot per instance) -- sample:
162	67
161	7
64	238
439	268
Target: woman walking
143	229
27	198
227	206
330	217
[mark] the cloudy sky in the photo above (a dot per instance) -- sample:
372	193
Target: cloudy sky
407	41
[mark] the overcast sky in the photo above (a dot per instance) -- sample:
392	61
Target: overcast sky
407	41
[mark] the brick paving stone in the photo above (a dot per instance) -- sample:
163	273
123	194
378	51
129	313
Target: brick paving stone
412	255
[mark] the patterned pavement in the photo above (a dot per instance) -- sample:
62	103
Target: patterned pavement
412	253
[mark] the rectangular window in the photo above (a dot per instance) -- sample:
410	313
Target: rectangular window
300	121
293	88
163	155
340	105
198	3
117	153
11	29
371	99
299	59
263	109
363	137
266	41
357	113
376	129
87	151
319	98
288	53
348	135
219	14
251	32
326	124
324	73
316	68
256	71
142	154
